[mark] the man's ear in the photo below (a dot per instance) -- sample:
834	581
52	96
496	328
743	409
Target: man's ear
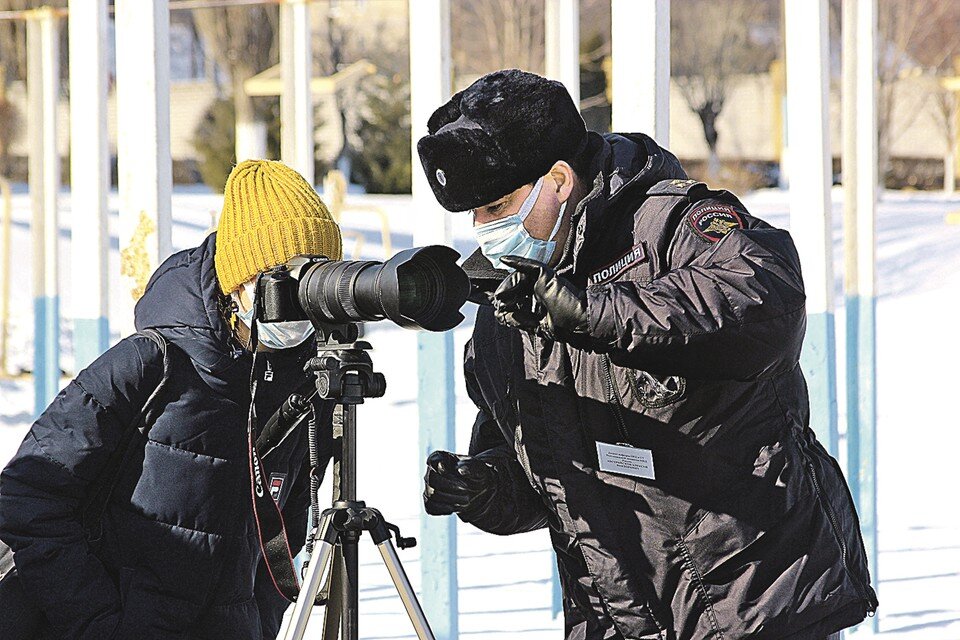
563	177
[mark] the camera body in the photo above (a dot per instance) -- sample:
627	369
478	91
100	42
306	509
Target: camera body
278	292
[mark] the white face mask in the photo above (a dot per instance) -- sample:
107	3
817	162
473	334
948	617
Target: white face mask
508	236
275	335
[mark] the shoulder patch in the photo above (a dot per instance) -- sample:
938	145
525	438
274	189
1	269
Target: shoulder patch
675	187
712	221
634	256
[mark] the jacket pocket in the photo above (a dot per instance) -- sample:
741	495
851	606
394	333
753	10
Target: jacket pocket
653	392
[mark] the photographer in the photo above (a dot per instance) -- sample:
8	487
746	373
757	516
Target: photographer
637	378
179	554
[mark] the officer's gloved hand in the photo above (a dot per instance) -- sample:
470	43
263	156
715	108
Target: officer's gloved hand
453	483
535	298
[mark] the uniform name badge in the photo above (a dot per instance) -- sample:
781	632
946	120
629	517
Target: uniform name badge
626	460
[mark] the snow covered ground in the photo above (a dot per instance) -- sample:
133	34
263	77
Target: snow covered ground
505	589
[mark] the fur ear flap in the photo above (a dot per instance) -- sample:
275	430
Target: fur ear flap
445	114
464	169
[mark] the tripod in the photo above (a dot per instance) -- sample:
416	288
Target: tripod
345	373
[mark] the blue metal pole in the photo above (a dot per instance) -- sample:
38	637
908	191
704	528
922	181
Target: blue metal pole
556	589
46	351
91	337
862	425
818	361
438	535
43	99
866	471
852	308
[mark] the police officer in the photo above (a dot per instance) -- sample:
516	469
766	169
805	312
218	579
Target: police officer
635	367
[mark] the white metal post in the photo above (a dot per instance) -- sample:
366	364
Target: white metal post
562	62
6	227
89	179
810	214
143	148
861	297
849	158
562	44
251	140
296	99
43	97
640	50
430	87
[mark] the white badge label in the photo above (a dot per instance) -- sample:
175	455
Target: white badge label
629	461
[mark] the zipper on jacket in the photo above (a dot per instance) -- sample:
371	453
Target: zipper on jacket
614	397
836	532
521	452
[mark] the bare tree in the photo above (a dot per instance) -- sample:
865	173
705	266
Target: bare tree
945	117
923	39
242	40
594	60
13	67
13	38
497	34
334	48
11	125
915	37
711	45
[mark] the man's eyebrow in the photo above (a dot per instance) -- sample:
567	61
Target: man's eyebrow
501	200
486	207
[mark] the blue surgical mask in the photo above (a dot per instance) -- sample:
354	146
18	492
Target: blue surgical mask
275	335
508	236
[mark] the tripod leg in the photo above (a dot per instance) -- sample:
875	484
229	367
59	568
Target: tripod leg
322	551
333	610
350	583
404	588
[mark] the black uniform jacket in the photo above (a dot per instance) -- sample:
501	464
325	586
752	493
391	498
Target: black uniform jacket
179	556
747	528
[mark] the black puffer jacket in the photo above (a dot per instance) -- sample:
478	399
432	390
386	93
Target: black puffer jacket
747	529
179	556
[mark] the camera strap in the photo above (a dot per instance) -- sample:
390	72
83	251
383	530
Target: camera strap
271	531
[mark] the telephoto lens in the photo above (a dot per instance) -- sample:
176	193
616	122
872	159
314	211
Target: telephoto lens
419	288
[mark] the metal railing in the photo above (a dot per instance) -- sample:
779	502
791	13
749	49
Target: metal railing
6	229
335	196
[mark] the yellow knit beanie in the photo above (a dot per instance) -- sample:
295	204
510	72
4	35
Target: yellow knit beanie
270	214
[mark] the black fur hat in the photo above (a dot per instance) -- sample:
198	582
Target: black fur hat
503	131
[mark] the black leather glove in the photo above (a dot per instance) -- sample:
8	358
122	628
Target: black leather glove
535	298
453	483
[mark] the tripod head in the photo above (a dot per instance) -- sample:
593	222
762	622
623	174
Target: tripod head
343	367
